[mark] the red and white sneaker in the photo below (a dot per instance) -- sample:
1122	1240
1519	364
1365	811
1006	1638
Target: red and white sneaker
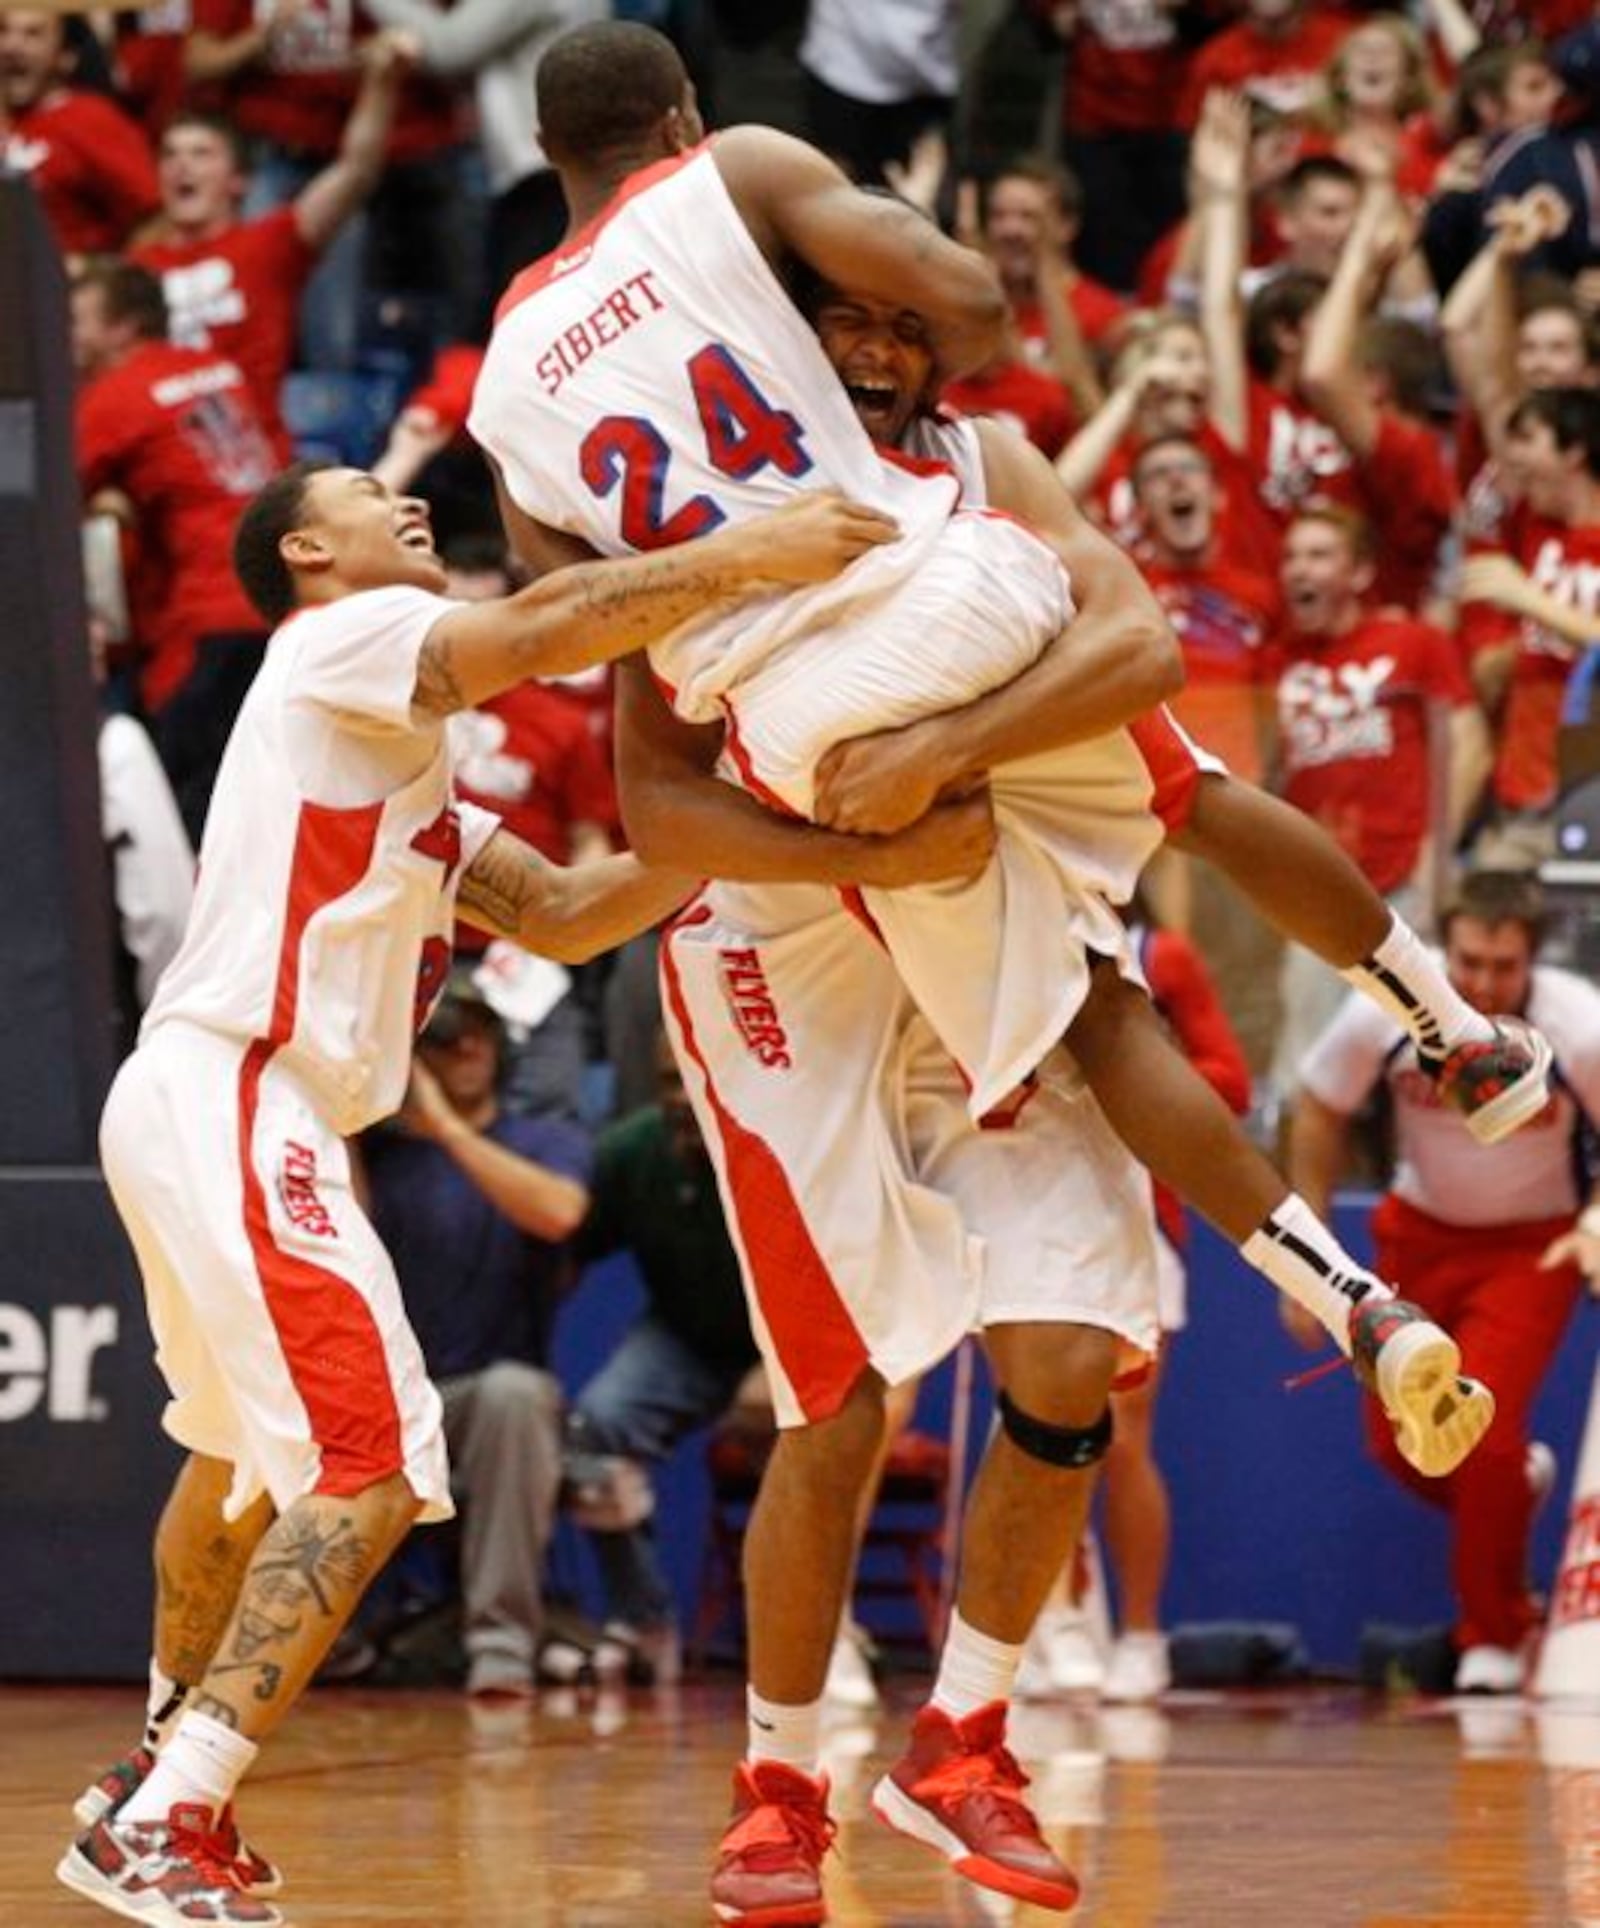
172	1873
106	1796
769	1866
1495	1083
958	1790
1413	1368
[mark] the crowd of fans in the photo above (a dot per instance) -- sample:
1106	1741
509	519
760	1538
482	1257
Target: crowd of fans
1305	311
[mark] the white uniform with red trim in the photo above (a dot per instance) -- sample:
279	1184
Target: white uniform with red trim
319	939
651	381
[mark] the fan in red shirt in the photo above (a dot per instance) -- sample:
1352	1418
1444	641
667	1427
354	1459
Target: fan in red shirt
290	67
1280	48
1161	387
1377	103
1032	211
1353	698
233	286
1507	335
1549	580
1223	612
90	164
173	434
1119	123
1358	693
1331	411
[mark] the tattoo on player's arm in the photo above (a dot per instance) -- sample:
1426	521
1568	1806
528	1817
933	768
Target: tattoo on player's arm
438	691
503	883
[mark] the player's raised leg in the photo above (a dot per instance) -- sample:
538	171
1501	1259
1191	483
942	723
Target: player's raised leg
1177	1126
1493	1070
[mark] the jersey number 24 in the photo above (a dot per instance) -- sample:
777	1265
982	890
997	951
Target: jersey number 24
743	431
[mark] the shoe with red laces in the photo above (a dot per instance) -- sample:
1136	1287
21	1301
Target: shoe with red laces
769	1866
172	1874
958	1790
1495	1083
106	1796
1413	1368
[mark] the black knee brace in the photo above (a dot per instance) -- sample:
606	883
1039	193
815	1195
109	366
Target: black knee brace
1075	1446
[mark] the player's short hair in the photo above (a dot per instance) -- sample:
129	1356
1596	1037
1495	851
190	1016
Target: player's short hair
225	130
602	88
1284	302
1498	897
1350	523
269	516
1572	416
127	293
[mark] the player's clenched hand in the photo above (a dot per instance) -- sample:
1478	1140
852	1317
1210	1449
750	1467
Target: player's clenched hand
875	785
953	840
815	537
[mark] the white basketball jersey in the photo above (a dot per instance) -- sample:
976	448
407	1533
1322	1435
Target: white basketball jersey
322	920
652	381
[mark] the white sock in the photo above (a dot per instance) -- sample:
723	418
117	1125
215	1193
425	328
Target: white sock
792	1735
1407	981
973	1670
203	1762
1303	1259
163	1707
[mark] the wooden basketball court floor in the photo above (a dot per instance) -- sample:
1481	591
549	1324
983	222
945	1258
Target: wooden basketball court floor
1302	1809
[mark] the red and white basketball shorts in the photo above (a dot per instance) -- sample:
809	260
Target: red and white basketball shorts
874	1222
277	1316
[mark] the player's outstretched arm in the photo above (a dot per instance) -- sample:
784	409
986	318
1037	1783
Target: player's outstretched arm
569	913
797	203
593	612
676	809
1116	659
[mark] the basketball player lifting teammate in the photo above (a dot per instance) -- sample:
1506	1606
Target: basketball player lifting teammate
333	862
849	1289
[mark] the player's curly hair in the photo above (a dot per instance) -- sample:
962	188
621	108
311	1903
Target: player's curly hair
258	560
601	89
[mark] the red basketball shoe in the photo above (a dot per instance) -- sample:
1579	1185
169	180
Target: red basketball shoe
1495	1083
769	1867
959	1791
106	1796
171	1873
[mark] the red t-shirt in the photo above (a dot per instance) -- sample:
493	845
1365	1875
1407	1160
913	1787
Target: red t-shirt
1027	399
300	95
529	756
1403	489
176	430
237	295
1284	70
1353	725
1565	563
91	166
1094	307
149	58
1125	69
1225	616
